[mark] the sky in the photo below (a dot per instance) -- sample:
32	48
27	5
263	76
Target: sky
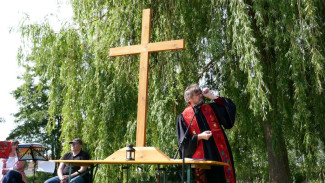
11	13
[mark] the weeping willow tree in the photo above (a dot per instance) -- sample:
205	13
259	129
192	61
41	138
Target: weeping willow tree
267	56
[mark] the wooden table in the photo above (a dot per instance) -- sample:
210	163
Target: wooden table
189	162
145	155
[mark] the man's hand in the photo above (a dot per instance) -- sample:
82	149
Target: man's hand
204	135
64	179
207	93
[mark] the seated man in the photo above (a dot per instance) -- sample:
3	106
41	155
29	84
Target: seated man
63	170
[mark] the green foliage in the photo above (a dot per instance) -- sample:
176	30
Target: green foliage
267	56
40	177
32	116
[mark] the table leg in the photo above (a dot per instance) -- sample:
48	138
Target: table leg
158	174
189	173
121	178
204	178
164	174
127	173
70	169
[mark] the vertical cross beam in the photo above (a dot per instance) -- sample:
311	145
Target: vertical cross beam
143	81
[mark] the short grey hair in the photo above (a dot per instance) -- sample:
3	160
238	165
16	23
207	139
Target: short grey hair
190	91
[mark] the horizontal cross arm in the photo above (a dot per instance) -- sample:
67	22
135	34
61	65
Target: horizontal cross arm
166	45
127	50
151	47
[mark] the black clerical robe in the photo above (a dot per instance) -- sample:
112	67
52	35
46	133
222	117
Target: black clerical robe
225	118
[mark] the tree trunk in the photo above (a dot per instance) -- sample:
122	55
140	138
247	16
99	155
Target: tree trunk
277	156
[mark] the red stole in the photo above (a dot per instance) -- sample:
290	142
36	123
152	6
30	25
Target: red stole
217	134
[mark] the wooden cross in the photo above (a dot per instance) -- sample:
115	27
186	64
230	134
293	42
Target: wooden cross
144	49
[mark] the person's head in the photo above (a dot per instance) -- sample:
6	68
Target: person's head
193	94
76	144
14	145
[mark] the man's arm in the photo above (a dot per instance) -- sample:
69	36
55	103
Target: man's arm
225	118
190	143
60	171
207	93
80	171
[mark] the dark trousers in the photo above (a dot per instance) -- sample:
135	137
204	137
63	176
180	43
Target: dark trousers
12	176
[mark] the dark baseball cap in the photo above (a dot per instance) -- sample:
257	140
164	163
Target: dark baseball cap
76	140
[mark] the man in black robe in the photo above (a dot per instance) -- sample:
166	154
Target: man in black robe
205	138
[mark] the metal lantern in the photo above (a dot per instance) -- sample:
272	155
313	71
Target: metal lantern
130	153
